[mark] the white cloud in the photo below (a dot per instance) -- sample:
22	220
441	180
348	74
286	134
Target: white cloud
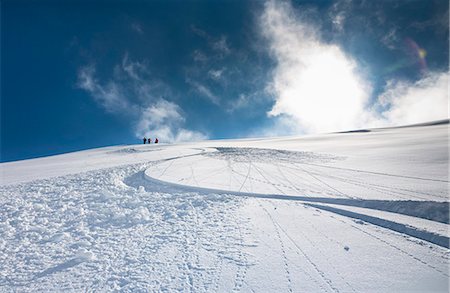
315	83
131	92
281	125
163	120
422	101
215	74
318	87
184	135
110	96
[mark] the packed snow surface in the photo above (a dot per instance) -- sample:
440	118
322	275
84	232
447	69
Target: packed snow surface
363	211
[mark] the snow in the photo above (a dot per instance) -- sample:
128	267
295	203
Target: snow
360	211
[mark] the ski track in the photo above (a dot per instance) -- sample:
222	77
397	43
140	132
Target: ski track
310	262
246	176
380	188
283	250
324	256
400	250
326	184
376	173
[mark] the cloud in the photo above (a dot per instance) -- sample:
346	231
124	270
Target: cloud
109	96
439	22
216	74
241	102
160	119
204	91
339	13
314	83
221	46
319	88
133	69
199	56
199	32
131	91
281	125
407	102
217	70
391	39
250	102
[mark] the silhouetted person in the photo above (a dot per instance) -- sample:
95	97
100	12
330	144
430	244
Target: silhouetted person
145	140
156	140
149	141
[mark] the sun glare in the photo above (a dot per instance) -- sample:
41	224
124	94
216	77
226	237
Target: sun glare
321	90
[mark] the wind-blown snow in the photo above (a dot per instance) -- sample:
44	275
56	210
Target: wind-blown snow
343	212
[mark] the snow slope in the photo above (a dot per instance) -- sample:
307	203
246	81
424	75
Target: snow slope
364	211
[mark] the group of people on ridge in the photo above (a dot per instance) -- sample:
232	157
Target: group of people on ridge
149	140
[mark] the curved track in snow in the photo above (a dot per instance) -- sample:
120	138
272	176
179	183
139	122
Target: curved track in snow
404	201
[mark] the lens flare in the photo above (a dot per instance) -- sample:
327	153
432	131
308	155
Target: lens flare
422	53
415	56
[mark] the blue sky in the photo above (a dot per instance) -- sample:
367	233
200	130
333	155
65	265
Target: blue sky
83	74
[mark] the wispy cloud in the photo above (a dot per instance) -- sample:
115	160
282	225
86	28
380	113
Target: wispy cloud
391	39
216	74
241	102
227	73
204	91
199	32
250	102
134	69
407	102
339	13
110	95
199	56
439	22
131	91
218	70
219	45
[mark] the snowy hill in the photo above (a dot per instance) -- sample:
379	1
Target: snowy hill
360	211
